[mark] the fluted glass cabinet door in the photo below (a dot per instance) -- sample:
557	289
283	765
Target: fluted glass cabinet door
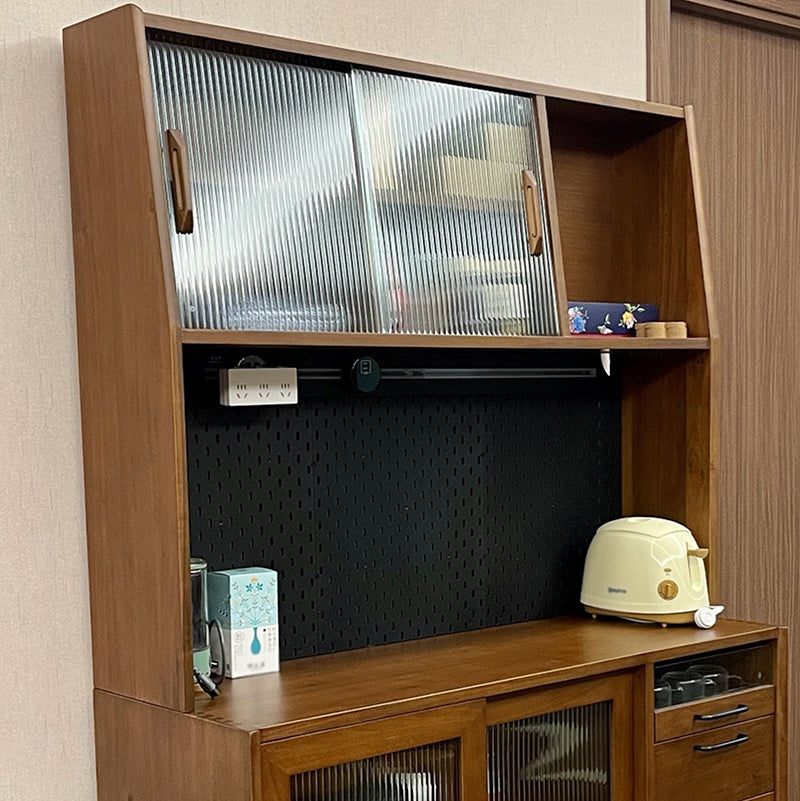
327	198
564	743
444	168
426	773
278	240
552	757
433	755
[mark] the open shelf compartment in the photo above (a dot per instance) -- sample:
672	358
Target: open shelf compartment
625	197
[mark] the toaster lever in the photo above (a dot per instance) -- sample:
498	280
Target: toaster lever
700	553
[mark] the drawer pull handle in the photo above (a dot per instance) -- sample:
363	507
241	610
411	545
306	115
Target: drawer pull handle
726	714
181	181
533	212
738	740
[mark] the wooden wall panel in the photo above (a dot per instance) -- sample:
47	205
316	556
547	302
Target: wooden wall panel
743	83
775	17
658	64
788	7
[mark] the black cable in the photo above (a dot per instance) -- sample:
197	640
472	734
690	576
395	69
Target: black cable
205	683
217	676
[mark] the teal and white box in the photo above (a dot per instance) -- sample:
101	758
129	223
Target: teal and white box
245	602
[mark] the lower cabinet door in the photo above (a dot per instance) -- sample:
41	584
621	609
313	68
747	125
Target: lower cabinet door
436	755
562	743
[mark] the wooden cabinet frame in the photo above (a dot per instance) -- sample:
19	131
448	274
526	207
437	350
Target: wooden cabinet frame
605	162
625	211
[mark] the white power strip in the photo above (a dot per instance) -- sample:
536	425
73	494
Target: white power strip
258	386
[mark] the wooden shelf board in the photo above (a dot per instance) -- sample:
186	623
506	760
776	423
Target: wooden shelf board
323	692
196	336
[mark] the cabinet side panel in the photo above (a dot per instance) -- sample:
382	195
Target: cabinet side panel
702	457
146	753
698	249
703	374
130	368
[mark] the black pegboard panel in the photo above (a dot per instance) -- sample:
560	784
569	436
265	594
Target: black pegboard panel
424	510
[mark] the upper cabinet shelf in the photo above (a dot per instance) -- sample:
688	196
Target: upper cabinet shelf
284	339
323	196
629	210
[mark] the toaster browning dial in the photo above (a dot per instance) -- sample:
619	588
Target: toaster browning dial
667	590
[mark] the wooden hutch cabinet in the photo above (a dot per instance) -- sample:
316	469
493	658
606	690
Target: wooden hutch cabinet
548	707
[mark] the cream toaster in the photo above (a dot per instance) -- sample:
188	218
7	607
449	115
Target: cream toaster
646	568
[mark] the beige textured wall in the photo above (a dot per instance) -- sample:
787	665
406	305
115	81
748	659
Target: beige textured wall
45	714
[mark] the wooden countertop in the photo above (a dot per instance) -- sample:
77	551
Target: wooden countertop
339	689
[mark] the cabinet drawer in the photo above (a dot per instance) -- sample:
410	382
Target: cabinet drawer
733	772
676	721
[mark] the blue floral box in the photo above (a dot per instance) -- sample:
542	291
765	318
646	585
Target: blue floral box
609	318
245	602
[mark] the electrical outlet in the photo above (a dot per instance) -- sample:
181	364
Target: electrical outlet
258	386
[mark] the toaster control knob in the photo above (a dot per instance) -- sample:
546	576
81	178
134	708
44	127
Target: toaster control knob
668	590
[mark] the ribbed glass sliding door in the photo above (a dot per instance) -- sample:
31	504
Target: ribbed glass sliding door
427	773
279	237
331	199
558	756
443	170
